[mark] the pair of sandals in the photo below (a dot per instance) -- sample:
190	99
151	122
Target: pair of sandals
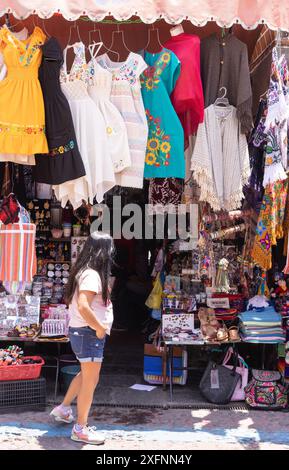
228	335
212	329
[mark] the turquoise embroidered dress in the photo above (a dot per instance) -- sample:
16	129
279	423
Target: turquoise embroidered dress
165	147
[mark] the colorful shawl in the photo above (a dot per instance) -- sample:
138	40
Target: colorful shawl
270	223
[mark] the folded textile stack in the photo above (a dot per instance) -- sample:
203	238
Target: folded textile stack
261	325
228	314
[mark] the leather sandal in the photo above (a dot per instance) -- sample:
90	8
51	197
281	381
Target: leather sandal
234	334
222	334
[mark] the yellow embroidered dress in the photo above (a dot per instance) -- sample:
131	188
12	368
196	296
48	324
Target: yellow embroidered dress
22	117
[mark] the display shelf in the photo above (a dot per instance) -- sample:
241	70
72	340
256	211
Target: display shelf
60	240
56	261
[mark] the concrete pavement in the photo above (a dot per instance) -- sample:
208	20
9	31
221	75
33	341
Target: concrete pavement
154	429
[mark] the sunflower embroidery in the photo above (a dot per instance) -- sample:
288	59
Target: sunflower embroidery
153	144
166	57
150	158
165	147
158	147
149	83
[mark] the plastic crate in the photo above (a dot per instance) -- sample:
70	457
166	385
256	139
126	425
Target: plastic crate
23	393
22	371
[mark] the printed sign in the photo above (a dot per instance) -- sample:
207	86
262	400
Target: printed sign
218	303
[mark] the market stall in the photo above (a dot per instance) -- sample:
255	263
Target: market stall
173	104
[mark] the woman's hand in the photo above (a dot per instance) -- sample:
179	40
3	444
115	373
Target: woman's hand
101	331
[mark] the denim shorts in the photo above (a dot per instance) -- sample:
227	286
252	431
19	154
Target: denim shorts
85	344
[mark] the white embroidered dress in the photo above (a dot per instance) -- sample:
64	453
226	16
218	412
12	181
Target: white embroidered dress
220	160
126	96
100	82
90	133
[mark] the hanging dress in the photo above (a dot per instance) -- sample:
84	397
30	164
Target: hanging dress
90	133
100	82
165	148
126	96
63	163
22	117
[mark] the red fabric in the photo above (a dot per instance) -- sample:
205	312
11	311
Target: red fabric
188	97
9	210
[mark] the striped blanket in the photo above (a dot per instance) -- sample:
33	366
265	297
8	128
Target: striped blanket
17	252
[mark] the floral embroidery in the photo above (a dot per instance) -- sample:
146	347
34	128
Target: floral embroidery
80	70
150	158
27	59
158	147
150	78
62	149
26	51
16	129
127	71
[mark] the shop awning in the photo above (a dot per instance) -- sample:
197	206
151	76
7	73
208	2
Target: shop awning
249	13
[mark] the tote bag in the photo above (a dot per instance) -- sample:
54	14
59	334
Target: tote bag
239	392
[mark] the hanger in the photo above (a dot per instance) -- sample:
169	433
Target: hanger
222	100
91	48
34	22
75	26
177	30
44	28
99	40
114	42
154	44
91	33
9	25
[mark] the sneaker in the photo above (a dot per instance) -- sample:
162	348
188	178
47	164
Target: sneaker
88	435
60	416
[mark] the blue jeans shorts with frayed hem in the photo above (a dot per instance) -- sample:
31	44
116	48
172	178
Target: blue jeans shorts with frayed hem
86	345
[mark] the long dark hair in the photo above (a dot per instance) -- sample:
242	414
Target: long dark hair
97	254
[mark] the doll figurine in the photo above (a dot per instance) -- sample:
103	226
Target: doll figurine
222	277
281	290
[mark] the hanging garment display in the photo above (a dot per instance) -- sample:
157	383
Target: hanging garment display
22	125
220	159
274	123
126	96
165	147
224	62
100	83
63	163
187	97
254	190
90	134
270	223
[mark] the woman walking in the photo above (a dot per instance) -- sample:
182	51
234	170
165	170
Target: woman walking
91	318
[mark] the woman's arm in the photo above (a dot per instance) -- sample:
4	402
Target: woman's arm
85	299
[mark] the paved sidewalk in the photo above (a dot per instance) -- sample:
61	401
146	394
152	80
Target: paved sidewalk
153	429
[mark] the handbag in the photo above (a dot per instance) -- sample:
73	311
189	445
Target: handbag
239	393
154	300
265	391
154	356
219	383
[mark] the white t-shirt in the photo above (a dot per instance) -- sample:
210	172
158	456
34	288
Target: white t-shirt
90	281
